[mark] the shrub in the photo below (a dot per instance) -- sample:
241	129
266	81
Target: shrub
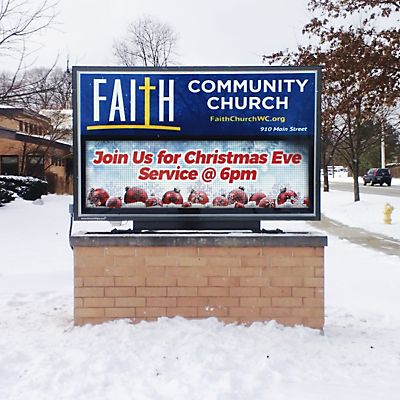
27	187
6	196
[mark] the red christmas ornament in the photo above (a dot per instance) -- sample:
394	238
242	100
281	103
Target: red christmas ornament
98	197
220	201
114	202
292	196
134	195
306	201
153	201
257	197
186	204
237	195
198	197
265	202
172	196
238	204
286	195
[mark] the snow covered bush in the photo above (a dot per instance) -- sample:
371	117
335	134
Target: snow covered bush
6	196
27	187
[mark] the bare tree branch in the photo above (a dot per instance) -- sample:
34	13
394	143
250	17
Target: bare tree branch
148	43
19	21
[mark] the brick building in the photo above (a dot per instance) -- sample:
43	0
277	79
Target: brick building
31	145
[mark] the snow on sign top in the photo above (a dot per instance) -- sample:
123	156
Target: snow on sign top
184	142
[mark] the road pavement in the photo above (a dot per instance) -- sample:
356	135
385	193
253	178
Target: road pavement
391	191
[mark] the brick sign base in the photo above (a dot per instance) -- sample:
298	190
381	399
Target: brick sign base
239	278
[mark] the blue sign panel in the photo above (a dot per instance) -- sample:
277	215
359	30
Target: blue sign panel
197	104
196	143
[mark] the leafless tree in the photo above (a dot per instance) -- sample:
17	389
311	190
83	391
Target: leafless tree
148	42
58	131
42	88
36	89
19	22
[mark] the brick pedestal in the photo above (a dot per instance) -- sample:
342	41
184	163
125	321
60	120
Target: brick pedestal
235	277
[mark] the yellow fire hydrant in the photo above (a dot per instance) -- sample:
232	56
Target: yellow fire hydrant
387	213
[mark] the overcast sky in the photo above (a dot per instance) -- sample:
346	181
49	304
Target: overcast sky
211	32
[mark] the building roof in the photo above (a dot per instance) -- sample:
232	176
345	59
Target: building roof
38	140
13	112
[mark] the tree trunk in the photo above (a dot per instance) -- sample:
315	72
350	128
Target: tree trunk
23	159
325	170
326	179
356	187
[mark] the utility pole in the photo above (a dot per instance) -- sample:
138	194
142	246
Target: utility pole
383	158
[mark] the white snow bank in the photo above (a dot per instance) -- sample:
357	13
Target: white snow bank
366	214
35	246
45	357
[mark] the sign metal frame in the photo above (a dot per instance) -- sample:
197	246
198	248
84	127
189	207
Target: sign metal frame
192	215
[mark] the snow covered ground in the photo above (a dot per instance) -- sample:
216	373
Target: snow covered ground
43	356
367	213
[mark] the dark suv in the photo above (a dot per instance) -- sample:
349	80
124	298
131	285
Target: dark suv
378	175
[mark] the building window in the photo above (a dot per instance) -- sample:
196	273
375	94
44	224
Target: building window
35	166
58	162
9	165
21	126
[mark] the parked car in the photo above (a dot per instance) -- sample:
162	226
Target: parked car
378	175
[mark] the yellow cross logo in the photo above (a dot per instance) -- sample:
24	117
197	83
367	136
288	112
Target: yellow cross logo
147	88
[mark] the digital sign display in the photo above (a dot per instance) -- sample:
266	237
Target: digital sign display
196	142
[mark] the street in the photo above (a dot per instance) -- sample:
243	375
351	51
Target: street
392	191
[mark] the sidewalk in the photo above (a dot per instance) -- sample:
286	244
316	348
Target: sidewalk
358	236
